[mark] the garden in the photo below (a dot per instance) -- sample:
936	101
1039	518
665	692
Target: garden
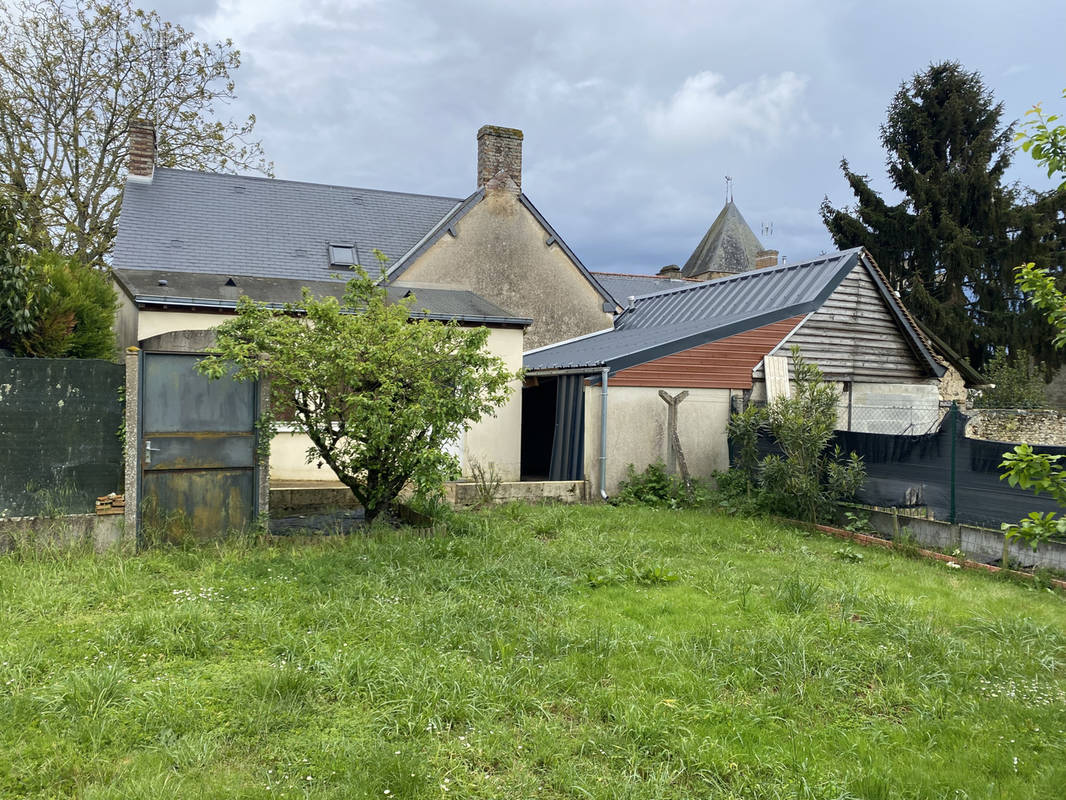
529	651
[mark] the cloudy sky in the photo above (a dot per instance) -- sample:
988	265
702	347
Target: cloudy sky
633	113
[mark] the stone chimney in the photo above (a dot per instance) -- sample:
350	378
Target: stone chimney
142	151
765	258
499	150
670	271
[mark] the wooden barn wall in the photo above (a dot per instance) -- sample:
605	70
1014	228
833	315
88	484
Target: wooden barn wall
854	336
723	364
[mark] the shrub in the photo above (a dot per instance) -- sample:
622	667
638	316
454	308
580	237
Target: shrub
805	479
656	487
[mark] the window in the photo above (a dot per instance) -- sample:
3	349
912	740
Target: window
342	255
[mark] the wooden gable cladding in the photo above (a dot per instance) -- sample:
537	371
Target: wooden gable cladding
722	364
855	336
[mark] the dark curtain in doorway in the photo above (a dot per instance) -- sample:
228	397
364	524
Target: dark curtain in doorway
568	445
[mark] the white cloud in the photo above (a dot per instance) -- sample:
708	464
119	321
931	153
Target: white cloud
704	110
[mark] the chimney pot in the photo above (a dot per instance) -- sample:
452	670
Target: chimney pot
499	150
142	150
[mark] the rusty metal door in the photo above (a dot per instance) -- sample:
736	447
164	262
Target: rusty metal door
197	449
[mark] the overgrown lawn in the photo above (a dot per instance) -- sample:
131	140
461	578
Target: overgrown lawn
546	652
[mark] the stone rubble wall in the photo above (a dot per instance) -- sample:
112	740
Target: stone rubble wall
1035	426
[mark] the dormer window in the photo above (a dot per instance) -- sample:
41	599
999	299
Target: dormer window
342	255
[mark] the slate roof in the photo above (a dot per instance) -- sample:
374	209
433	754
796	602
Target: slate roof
728	246
203	290
623	286
659	324
240	225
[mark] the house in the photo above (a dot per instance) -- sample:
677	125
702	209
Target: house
718	342
190	243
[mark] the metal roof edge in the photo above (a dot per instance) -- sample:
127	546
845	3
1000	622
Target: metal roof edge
457	212
554	235
903	317
542	348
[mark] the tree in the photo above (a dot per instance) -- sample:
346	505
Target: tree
73	75
808	478
1017	382
950	246
50	305
377	390
1039	472
1045	141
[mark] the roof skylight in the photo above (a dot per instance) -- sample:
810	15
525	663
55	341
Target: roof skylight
342	255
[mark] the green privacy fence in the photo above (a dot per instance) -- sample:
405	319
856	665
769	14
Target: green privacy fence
60	441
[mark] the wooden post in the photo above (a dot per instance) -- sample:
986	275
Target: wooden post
673	441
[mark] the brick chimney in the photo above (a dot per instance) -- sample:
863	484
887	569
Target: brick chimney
142	151
499	150
765	258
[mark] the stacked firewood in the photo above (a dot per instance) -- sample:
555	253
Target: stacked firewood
111	504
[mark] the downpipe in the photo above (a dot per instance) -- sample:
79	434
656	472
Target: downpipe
603	432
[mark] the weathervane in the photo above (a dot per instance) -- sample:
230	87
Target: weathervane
729	188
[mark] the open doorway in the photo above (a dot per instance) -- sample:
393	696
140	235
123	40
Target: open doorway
553	428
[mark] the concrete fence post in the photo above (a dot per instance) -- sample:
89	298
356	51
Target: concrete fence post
131	444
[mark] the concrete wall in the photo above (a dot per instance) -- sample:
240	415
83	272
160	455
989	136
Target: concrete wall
153	323
498	439
101	533
979	544
892	408
500	254
637	435
125	321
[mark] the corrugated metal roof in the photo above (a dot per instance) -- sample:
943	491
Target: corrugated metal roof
233	224
622	286
202	289
668	322
758	291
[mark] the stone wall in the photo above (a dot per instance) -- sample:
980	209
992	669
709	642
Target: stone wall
1036	426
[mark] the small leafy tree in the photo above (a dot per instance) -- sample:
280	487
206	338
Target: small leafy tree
803	425
1039	472
807	478
1018	382
377	390
1045	141
1024	468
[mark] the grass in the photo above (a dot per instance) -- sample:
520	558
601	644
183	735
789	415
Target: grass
548	652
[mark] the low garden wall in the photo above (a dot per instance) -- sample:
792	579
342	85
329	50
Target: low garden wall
98	533
979	544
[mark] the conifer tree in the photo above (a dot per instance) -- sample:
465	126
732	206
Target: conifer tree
951	245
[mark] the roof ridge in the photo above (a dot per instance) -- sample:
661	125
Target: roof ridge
644	275
753	273
227	175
